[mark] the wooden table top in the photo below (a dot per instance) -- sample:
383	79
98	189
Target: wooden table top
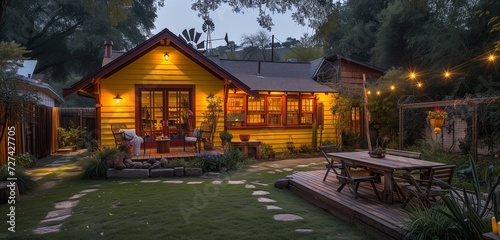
389	163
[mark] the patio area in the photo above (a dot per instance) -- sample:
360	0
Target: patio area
382	220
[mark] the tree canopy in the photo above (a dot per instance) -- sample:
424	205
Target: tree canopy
66	37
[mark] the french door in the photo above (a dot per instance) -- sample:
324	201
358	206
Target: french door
165	111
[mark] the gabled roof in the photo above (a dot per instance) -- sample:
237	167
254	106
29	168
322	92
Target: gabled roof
43	87
317	63
85	85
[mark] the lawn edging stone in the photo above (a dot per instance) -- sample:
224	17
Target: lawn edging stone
127	173
194	172
161	173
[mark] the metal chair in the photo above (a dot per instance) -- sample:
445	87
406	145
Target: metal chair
426	190
353	182
331	165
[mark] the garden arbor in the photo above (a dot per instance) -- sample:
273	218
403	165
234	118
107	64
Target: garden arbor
460	109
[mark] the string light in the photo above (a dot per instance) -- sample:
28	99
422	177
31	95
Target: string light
378	92
447	74
393	87
491	58
413	75
419	84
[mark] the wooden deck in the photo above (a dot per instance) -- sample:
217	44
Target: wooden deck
383	221
175	152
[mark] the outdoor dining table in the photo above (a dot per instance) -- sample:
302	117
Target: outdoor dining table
387	166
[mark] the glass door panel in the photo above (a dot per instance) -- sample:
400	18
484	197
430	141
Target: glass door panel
151	115
180	122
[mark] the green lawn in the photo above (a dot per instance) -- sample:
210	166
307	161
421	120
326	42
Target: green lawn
132	210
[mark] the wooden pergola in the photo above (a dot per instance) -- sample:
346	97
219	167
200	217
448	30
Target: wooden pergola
472	103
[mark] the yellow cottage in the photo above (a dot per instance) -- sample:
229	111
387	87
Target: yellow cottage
152	88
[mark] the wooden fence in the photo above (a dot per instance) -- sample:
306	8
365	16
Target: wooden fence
41	137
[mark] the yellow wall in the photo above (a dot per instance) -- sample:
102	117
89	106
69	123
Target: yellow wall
152	69
278	136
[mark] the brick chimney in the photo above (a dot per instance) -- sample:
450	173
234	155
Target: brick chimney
108	52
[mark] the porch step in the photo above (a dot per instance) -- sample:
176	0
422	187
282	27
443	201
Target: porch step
66	149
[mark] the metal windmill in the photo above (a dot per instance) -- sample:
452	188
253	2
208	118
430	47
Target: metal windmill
192	37
208	27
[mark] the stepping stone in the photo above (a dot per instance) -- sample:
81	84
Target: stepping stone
287	169
56	219
173	181
277	170
270	172
89	190
260	193
66	204
304	230
150	181
96	186
76	196
236	182
287	217
49	229
262	184
58	213
272	207
263	199
36	178
249	186
302	166
194	182
217	182
123	182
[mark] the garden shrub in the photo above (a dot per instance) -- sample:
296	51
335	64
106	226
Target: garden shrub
305	148
24	181
179	163
210	162
96	166
430	224
25	160
234	158
267	151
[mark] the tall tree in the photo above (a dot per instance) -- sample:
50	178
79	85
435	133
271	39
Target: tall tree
67	36
17	99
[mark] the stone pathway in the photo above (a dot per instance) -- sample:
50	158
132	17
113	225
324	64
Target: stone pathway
62	210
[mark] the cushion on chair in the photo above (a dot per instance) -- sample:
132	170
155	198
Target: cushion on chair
190	139
128	134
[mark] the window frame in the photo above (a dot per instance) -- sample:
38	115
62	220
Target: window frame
283	122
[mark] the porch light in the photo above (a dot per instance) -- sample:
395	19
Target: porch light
166	56
117	98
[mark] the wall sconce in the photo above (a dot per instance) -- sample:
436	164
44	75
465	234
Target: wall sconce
117	98
166	56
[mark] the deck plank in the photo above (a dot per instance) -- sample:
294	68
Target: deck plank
382	220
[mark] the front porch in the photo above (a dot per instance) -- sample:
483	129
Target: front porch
175	152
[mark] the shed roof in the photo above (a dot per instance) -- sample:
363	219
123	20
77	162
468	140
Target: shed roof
283	84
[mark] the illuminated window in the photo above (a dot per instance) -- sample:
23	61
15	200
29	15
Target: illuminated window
256	113
274	110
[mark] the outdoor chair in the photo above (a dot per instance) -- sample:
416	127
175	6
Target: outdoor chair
116	129
426	190
195	140
124	135
331	165
353	182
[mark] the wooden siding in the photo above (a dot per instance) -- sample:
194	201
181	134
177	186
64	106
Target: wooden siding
151	69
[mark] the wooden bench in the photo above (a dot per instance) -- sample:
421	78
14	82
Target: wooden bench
403	153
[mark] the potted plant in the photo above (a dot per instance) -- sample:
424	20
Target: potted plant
377	153
225	137
436	118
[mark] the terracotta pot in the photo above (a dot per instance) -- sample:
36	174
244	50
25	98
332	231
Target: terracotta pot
119	165
244	137
111	162
436	124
